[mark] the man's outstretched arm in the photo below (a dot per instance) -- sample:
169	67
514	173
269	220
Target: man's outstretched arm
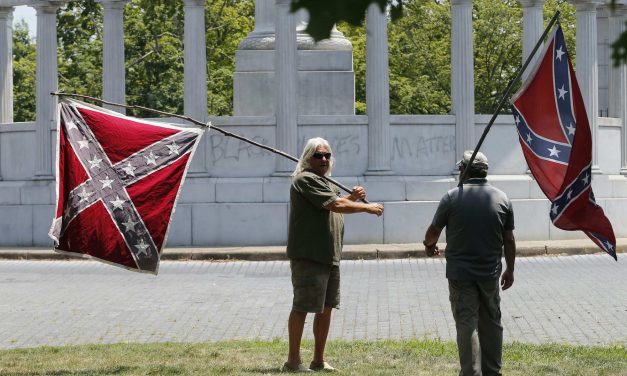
349	204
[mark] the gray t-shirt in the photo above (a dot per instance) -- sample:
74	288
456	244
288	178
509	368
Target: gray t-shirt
314	233
475	216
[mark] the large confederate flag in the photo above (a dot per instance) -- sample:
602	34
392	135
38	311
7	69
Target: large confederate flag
554	134
118	179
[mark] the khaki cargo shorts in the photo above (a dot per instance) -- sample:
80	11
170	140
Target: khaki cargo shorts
315	285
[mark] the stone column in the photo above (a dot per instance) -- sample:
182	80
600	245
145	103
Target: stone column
195	71
377	92
588	69
6	64
47	82
533	26
462	76
113	72
618	80
286	78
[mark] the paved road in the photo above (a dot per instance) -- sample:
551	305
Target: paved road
572	299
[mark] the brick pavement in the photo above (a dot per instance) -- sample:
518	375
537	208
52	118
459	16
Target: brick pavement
570	299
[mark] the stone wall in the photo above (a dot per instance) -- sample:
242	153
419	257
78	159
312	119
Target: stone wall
241	203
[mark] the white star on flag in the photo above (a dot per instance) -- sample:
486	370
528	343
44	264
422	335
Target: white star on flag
559	53
84	195
571	129
554	209
562	92
84	144
569	194
129	225
71	125
95	163
129	169
117	203
142	247
151	159
554	152
585	179
529	138
106	183
174	148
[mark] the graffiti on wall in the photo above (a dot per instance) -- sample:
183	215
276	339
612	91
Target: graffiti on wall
224	148
422	147
341	144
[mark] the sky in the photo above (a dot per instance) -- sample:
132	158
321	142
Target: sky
28	14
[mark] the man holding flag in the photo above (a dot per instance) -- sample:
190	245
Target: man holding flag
554	134
479	221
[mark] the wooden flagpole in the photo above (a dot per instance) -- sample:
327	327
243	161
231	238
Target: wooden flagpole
507	93
201	124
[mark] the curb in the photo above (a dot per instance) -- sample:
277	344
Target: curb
351	252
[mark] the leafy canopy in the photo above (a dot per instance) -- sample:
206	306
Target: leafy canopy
326	13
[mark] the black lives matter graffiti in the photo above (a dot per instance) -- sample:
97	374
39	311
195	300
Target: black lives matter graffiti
422	148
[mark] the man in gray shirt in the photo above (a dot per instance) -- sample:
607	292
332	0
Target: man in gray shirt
479	221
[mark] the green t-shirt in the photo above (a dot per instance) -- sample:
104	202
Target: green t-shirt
314	232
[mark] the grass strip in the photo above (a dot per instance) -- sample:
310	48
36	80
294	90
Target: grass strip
410	357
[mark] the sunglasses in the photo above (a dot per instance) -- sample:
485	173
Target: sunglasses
320	155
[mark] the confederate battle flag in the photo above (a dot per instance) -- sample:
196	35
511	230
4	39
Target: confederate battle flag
118	179
555	138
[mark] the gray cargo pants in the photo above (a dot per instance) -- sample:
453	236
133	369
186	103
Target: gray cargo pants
477	313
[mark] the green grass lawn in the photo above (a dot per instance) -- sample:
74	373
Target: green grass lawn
414	357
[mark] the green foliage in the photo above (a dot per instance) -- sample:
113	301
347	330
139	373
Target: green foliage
356	34
420	53
228	22
419	50
619	50
497	49
24	68
326	13
153	48
419	59
154	51
619	47
80	48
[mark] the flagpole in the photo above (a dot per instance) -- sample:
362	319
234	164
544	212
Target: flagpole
201	124
507	93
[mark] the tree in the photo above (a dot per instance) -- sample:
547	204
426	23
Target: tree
325	13
154	51
419	50
497	49
420	53
80	48
24	68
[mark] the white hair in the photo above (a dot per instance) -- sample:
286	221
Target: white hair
308	151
